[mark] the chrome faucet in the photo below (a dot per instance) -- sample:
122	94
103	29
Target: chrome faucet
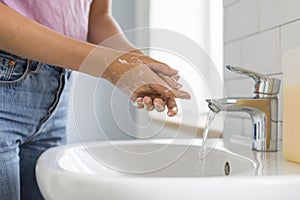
262	108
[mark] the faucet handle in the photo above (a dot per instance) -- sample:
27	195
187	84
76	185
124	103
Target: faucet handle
263	84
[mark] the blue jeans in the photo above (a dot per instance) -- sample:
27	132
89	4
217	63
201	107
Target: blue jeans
33	113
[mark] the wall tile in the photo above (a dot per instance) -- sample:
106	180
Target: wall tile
232	56
280	98
229	2
290	38
241	19
277	12
261	52
239	87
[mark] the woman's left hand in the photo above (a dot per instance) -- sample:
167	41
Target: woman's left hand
149	83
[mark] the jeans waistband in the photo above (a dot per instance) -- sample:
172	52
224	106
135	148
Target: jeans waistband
34	64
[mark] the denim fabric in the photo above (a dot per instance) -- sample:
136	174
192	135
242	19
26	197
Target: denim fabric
33	113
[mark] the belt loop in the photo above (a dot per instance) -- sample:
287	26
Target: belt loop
35	70
29	62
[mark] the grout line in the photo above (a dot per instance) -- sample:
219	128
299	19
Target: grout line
250	35
231	4
290	22
259	32
259	10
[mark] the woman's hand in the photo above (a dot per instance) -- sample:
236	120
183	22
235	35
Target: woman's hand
164	71
147	82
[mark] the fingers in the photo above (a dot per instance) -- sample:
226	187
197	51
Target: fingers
171	95
139	103
168	74
181	94
175	77
156	66
172	107
160	67
166	91
172	82
148	103
158	96
158	104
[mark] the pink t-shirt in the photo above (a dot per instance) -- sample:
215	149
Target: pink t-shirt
68	17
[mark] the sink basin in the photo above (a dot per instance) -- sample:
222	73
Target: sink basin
162	169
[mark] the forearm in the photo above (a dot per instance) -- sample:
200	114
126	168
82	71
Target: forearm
23	37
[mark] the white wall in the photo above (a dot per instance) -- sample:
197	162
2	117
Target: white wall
257	33
125	13
200	22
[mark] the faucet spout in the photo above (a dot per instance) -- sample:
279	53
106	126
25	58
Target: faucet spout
264	115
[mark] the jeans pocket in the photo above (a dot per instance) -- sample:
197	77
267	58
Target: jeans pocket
13	69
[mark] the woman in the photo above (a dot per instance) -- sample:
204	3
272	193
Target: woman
40	42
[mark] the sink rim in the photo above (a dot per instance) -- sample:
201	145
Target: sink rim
48	176
58	152
244	153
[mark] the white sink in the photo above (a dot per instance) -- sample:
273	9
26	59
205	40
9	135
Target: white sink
164	169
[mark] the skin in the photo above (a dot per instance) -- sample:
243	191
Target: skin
36	42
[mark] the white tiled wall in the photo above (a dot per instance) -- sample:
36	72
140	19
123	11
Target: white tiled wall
274	13
229	2
256	34
249	24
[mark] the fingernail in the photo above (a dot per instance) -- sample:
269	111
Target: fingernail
172	112
150	108
178	86
176	71
184	95
175	77
147	100
139	103
159	107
